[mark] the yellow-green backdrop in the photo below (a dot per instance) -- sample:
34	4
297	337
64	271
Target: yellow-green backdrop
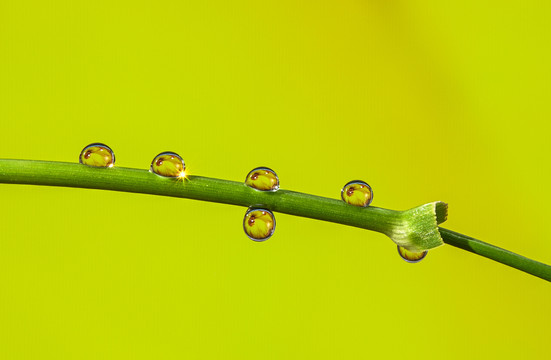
423	100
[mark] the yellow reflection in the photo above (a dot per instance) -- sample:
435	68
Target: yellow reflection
259	224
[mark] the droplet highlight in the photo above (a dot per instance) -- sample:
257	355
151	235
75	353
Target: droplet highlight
97	154
357	193
410	256
168	164
262	178
259	224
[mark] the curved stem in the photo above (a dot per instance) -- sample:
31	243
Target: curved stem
415	229
195	187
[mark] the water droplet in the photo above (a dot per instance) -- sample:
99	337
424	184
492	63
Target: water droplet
97	154
262	178
410	256
357	193
259	224
168	164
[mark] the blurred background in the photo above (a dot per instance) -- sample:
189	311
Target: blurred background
423	100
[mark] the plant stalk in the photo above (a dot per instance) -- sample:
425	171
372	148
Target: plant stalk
495	253
415	229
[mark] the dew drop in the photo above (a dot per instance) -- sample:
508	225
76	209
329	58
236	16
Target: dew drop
168	164
357	193
259	224
262	178
97	154
410	256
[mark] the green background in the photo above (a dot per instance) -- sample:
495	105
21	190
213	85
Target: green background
425	101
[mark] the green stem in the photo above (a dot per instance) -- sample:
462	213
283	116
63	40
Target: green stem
495	253
415	229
